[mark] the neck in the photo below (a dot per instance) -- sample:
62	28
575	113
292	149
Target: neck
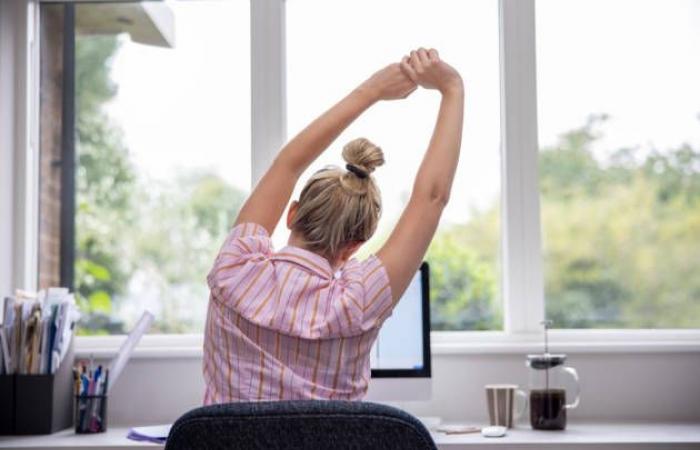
296	241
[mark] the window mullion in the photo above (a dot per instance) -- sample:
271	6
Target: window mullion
268	83
23	102
523	277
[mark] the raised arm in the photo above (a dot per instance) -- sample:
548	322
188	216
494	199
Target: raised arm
271	195
404	250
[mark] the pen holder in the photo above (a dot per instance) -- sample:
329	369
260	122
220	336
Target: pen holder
90	414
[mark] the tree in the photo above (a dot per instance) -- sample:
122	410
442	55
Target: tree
105	180
620	234
187	219
463	285
140	243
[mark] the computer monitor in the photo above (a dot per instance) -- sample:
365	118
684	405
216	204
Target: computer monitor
400	357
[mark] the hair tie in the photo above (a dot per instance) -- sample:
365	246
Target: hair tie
357	171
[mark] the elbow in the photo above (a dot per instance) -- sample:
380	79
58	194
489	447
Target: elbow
440	198
435	196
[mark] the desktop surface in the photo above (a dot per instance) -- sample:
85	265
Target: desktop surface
580	435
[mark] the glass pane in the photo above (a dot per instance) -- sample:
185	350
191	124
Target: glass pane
163	147
619	104
327	58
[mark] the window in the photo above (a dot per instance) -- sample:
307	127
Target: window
619	130
162	124
164	151
327	58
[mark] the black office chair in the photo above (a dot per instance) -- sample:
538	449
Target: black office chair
304	424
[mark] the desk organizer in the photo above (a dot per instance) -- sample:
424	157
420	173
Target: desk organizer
7	405
38	404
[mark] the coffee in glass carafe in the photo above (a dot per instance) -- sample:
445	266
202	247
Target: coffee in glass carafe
547	389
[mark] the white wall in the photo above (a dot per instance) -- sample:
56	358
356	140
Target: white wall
616	387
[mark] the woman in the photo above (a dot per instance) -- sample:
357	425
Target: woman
299	323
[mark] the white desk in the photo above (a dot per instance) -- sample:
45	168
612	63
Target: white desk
583	436
112	439
577	436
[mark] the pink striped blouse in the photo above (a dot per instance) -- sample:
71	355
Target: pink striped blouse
281	325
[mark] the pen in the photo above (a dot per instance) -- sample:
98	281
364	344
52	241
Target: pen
96	380
86	382
76	381
105	387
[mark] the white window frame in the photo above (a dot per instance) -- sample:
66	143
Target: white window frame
523	278
20	130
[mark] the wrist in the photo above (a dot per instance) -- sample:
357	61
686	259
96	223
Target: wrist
368	94
453	87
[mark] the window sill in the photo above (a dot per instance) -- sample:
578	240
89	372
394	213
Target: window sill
443	343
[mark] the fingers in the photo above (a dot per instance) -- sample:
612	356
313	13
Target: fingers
419	66
433	55
415	62
423	57
408	69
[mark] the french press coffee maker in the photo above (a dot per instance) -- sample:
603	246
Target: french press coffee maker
547	390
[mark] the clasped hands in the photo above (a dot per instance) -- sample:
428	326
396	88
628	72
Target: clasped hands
422	67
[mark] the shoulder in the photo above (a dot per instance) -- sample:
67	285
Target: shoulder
246	249
248	237
367	272
367	284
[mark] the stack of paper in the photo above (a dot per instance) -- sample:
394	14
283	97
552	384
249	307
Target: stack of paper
36	331
157	433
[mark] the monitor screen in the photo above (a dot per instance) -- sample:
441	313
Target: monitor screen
401	345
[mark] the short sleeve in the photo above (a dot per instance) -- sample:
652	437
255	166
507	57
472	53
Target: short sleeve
377	304
246	249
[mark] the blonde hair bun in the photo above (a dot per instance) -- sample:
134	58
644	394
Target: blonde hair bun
364	154
338	207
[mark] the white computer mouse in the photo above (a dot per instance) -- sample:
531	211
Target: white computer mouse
494	431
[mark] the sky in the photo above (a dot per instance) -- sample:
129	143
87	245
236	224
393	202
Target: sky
189	107
636	60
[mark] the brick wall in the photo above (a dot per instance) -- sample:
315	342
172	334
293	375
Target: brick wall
50	145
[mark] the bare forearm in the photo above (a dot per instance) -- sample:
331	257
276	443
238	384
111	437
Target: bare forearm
305	147
436	173
270	196
276	186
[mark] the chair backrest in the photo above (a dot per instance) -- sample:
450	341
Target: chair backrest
302	424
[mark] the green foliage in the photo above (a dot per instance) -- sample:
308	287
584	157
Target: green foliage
185	222
621	235
93	56
463	286
104	183
100	301
160	236
464	274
